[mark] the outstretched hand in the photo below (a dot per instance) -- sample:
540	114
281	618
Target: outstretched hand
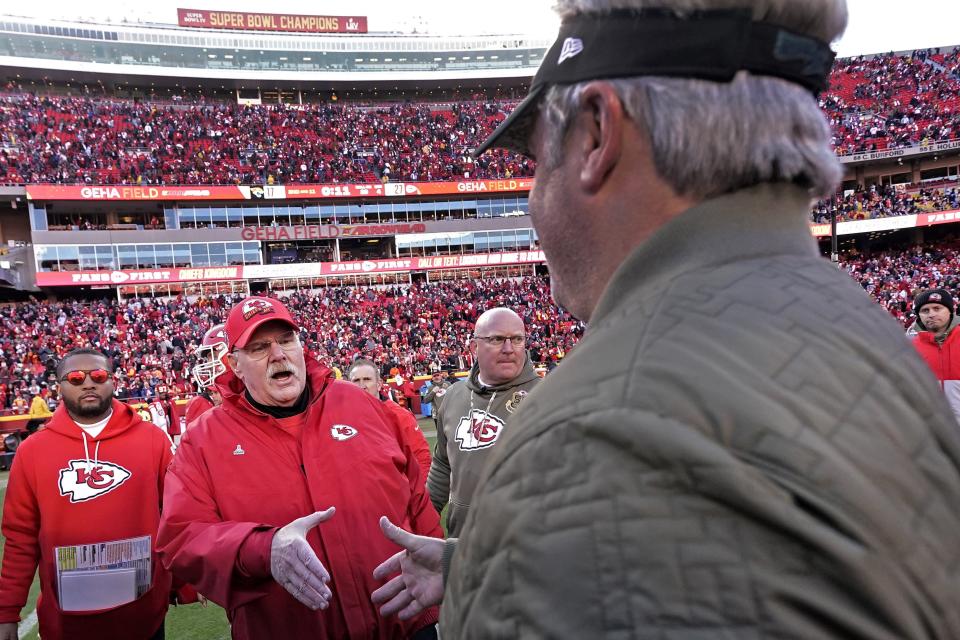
419	584
296	567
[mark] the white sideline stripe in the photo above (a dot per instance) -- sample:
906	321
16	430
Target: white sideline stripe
3	484
426	434
27	625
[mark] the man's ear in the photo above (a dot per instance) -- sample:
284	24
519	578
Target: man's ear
600	141
232	362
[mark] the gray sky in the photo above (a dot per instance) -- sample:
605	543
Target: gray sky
875	25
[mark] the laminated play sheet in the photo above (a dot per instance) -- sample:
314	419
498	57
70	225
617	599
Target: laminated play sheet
102	575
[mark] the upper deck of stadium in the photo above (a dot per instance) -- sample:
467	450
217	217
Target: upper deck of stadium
71	48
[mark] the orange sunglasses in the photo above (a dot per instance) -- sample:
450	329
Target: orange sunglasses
77	377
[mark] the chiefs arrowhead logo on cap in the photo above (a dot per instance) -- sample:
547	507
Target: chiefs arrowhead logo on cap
83	480
256	306
935	297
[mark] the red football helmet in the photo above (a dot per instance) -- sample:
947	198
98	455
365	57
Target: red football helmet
211	356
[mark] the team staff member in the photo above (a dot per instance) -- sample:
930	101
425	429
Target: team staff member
93	475
364	374
474	414
211	369
254	477
434	395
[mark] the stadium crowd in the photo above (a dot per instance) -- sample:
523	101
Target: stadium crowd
893	278
881	102
67	139
887	201
415	329
892	101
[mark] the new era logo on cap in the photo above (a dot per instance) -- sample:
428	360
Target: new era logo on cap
571	47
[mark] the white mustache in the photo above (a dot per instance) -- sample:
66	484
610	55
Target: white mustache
280	368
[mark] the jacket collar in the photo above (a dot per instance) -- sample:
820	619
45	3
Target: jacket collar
931	337
766	220
319	378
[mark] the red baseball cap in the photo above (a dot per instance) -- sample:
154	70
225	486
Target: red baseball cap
249	314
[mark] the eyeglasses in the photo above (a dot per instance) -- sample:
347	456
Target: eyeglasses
497	341
77	378
288	341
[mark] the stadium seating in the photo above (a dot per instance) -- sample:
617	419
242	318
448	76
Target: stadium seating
887	101
894	277
57	139
417	329
887	201
892	101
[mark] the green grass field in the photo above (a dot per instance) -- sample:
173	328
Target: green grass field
190	622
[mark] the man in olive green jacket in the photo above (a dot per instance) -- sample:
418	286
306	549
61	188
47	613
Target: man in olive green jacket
743	445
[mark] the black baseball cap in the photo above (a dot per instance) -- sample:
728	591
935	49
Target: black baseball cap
709	45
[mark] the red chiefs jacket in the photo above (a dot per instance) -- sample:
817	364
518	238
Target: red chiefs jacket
238	476
55	499
944	360
412	434
197	406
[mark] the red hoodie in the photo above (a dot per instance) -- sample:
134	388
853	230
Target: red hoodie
239	474
49	505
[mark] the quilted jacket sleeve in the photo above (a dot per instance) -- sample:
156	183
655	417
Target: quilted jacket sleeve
597	536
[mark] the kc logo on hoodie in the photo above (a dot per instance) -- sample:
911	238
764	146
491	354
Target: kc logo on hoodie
83	480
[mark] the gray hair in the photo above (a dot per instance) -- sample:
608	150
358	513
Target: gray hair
710	138
363	362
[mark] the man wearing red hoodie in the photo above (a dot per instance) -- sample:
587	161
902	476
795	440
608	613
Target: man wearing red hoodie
254	477
83	504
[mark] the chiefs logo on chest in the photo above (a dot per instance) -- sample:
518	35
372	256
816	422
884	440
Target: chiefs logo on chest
478	430
83	480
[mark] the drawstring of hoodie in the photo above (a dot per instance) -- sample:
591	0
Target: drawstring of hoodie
86	452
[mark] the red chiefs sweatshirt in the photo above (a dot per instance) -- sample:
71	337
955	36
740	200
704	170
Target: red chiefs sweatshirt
62	493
